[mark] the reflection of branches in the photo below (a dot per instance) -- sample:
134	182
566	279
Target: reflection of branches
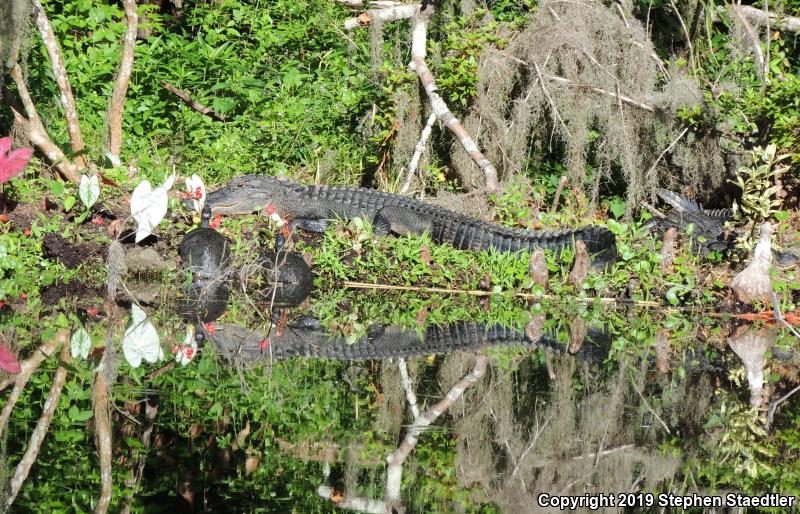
394	472
102	419
49	409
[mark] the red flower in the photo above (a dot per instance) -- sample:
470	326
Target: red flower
270	210
23	296
97	220
27	232
92	311
211	328
264	344
215	221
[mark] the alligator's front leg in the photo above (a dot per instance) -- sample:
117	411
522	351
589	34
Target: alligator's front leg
308	224
398	220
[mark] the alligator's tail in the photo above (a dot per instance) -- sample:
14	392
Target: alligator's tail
470	234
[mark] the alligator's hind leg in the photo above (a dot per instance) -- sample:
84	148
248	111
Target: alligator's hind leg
399	220
307	224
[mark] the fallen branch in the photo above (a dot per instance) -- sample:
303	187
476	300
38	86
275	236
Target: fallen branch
762	18
202	109
394	471
117	103
60	74
102	419
475	292
438	105
418	151
37	437
389	14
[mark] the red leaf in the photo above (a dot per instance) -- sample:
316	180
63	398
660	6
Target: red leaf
12	163
8	361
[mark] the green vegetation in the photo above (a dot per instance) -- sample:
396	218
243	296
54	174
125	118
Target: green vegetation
617	100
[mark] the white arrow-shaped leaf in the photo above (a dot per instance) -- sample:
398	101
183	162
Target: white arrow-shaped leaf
141	341
197	192
80	344
89	190
149	206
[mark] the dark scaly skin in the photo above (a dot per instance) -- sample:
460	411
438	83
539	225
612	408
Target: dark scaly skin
312	207
708	226
307	339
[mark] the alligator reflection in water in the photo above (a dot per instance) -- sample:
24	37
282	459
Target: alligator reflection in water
308	339
514	434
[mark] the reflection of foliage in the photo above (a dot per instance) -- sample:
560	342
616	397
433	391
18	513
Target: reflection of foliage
741	441
742	455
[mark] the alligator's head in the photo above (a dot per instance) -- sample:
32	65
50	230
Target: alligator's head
246	194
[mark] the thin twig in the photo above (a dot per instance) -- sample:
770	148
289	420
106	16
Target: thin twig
197	106
774	406
418	151
550	99
474	292
37	437
628	100
649	408
667	149
685	33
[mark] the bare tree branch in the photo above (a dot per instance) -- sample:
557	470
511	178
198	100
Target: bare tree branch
60	74
438	105
31	363
762	67
765	18
117	103
35	130
397	12
418	151
411	397
37	437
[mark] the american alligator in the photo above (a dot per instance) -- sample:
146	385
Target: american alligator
708	232
205	256
313	207
307	339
